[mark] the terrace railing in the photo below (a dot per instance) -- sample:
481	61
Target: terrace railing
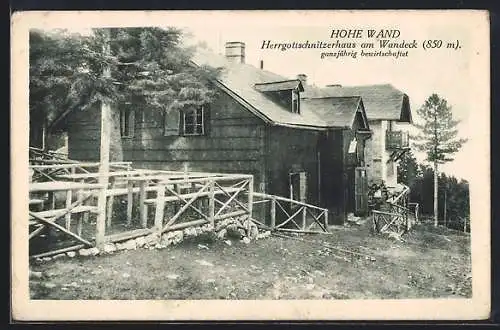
291	215
397	216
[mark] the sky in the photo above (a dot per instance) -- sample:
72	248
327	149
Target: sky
419	75
453	74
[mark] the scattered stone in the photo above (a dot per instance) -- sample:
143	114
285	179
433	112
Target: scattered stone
199	231
166	239
58	256
151	239
84	252
210	280
140	241
46	259
71	254
207	227
119	246
73	285
159	246
109	248
189	232
94	251
254	231
246	240
222	234
130	245
125	275
49	285
204	263
177	236
228	242
172	276
202	246
263	235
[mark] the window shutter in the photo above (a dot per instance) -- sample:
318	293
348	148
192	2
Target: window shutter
172	126
206	119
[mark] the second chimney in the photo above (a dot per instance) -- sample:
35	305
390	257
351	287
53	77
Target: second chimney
303	78
235	51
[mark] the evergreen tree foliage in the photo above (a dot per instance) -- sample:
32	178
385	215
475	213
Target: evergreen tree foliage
437	138
150	67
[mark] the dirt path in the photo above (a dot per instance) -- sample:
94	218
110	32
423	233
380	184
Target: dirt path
427	264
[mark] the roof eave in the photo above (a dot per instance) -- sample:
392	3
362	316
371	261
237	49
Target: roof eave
310	127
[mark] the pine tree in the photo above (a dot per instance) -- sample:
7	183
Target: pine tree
150	67
438	137
57	81
408	169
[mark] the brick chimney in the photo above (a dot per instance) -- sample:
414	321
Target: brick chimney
302	77
235	51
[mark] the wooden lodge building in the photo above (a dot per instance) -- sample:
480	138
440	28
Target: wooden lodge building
311	149
389	115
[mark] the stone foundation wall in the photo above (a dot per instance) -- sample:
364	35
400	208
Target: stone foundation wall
240	228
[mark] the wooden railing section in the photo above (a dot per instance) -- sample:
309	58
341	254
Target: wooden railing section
397	216
65	196
296	216
79	201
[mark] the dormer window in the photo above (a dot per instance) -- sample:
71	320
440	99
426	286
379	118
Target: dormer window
286	93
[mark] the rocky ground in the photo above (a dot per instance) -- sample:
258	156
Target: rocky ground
349	263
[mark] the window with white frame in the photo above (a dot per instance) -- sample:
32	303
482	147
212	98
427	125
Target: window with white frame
193	121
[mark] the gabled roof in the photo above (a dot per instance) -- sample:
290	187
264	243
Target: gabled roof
279	86
336	111
382	102
239	81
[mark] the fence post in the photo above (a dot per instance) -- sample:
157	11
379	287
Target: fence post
142	208
101	217
69	195
160	208
326	218
130	200
273	213
110	202
304	217
250	202
211	203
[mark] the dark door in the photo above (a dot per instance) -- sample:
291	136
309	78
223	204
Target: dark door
360	192
298	186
